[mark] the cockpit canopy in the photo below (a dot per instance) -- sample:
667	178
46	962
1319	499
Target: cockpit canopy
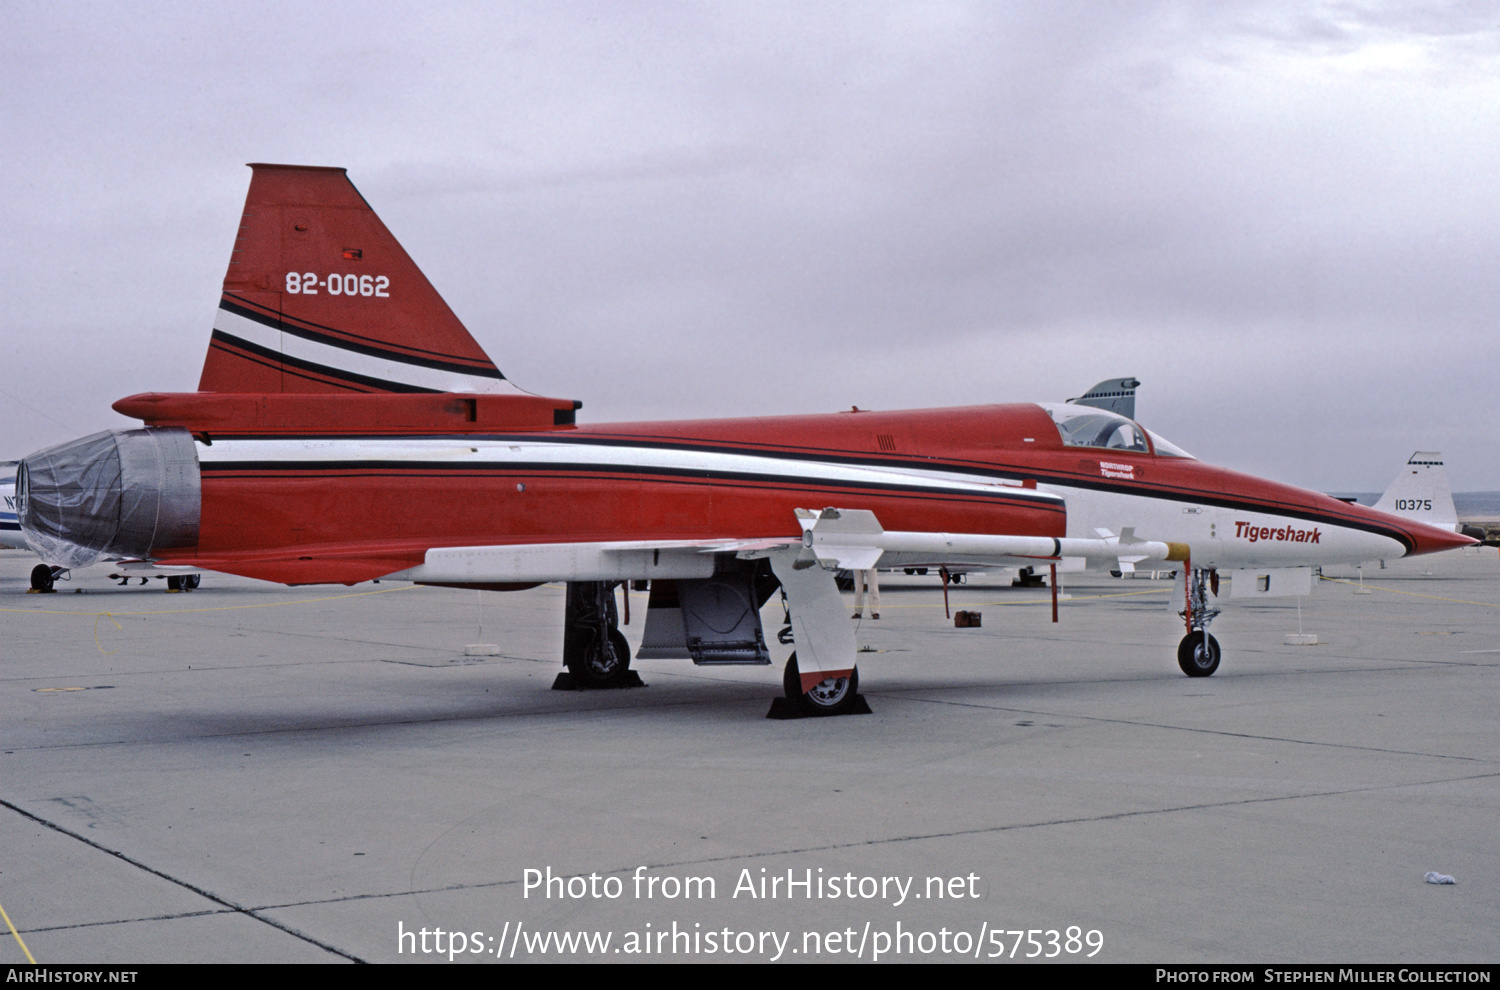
1086	426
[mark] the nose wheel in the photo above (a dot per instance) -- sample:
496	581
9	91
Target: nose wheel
1198	654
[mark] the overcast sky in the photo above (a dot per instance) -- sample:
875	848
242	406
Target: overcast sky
1282	217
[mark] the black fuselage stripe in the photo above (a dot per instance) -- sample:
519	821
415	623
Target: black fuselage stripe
1197	497
398	469
995	472
981	473
444	363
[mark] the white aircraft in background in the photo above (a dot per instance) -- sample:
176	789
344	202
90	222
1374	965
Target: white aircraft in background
10	526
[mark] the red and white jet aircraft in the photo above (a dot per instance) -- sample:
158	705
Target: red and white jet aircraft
337	375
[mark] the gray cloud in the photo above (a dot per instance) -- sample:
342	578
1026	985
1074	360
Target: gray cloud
1280	216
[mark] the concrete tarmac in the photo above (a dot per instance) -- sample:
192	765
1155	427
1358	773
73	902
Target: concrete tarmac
255	773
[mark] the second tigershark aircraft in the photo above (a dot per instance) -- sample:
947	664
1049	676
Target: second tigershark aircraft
336	375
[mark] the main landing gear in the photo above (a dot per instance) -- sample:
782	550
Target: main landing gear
44	577
1198	653
594	649
831	696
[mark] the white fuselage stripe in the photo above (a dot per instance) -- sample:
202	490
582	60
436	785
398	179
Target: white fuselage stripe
470	453
1213	532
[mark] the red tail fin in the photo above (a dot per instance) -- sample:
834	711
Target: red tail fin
320	297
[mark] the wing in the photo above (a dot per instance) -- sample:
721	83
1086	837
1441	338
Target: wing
515	564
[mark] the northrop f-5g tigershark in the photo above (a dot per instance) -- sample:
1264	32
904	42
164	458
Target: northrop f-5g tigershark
336	375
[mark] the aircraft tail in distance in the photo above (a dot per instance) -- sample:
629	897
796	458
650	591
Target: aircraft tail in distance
1116	395
1421	493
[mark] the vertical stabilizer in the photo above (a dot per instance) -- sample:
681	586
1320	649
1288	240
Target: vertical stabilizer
319	297
1115	395
1420	492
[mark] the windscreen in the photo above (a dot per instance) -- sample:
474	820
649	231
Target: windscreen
1086	426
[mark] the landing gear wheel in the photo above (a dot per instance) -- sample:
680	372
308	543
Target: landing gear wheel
1198	654
834	696
190	582
604	664
174	582
41	578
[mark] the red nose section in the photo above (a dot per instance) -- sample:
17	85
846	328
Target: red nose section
1418	537
1431	539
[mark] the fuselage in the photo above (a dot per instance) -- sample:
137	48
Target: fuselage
392	492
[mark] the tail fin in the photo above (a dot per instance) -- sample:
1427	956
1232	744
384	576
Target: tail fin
319	297
1420	492
1113	394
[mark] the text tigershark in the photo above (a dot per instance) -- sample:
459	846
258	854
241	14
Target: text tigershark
1252	533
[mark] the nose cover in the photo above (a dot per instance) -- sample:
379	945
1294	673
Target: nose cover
122	493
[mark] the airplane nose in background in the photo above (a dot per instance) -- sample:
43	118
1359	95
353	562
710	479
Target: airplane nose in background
1431	539
122	493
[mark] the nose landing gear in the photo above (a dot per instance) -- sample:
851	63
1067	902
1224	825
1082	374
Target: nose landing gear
43	578
1198	653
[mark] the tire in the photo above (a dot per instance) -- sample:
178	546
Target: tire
41	578
834	696
602	668
190	582
174	582
1198	654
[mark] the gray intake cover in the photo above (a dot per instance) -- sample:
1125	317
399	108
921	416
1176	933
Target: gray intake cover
121	493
